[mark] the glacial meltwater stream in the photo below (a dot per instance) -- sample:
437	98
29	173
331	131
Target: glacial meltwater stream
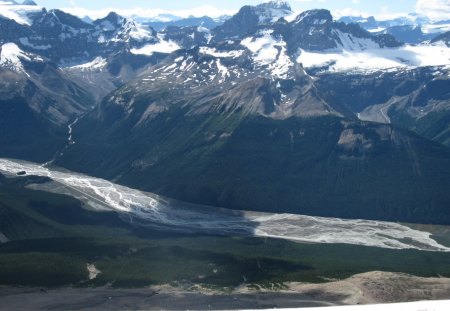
148	209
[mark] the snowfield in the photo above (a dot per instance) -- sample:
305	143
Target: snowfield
220	54
138	31
162	46
264	47
269	51
373	59
17	12
98	64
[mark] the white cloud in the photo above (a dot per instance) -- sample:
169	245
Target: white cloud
383	16
349	12
434	9
148	13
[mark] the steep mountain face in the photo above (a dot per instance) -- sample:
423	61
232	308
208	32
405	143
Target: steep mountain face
417	99
229	76
94	58
62	37
10	30
187	37
250	18
311	32
23	13
58	35
103	75
99	56
115	29
37	102
109	51
316	31
409	34
369	23
444	38
240	124
310	116
230	151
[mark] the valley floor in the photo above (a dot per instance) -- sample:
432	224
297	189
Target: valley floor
366	288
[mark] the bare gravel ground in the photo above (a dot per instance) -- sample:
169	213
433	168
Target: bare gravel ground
367	288
381	287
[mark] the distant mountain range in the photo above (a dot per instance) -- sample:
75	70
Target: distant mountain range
264	111
411	29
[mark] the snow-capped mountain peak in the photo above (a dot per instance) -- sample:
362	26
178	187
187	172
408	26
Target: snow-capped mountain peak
111	22
276	4
139	32
29	2
314	17
250	18
115	28
272	11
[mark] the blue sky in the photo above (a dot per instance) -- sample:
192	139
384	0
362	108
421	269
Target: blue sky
381	8
395	6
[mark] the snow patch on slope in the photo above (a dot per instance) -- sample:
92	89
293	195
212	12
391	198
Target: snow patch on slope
25	41
97	64
213	52
223	71
281	67
10	57
264	47
269	51
206	32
